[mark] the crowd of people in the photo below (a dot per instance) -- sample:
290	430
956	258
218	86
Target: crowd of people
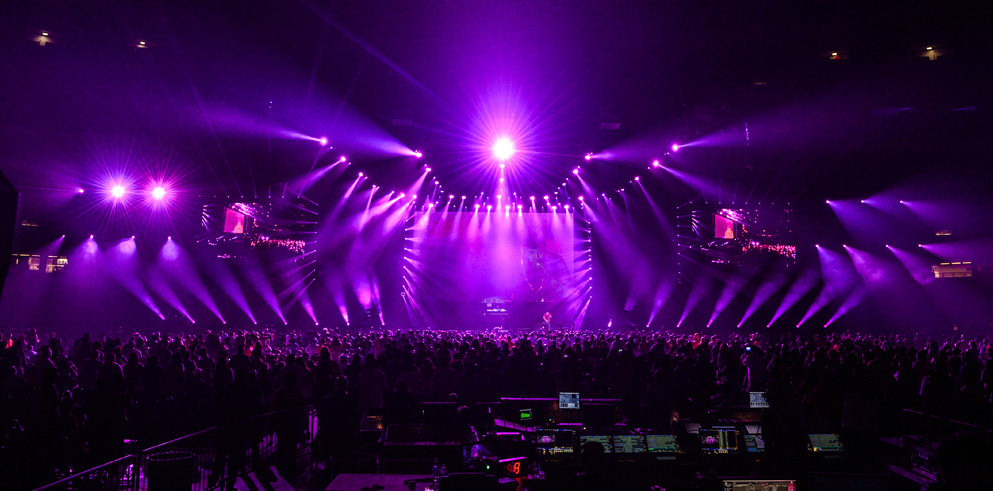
70	404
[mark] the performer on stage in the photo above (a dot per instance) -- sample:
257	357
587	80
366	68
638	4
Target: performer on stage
546	321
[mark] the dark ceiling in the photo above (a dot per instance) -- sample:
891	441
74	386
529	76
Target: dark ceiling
217	76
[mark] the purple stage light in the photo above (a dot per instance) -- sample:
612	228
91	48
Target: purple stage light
576	171
503	148
117	191
418	154
427	169
158	193
361	174
91	236
675	147
80	191
546	197
588	156
637	178
656	163
827	201
323	141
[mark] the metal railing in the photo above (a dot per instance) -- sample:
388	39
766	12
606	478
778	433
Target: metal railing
204	460
116	475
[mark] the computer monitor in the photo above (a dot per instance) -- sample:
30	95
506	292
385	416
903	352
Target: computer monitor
754	444
719	440
601	439
662	443
629	444
527	415
759	485
568	400
555	442
756	400
825	442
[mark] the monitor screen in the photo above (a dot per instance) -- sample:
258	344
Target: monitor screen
601	439
754	444
527	414
756	400
556	442
629	444
719	440
662	443
759	485
234	222
753	429
723	227
825	442
568	400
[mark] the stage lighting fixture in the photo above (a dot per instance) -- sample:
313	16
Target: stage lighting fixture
427	169
546	197
588	156
477	206
158	193
675	147
827	201
132	237
580	198
80	190
451	196
91	236
117	191
503	148
418	154
576	171
656	163
323	141
863	201
463	196
342	159
637	178
361	174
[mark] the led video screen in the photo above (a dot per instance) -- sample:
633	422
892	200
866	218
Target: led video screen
234	222
723	228
508	257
